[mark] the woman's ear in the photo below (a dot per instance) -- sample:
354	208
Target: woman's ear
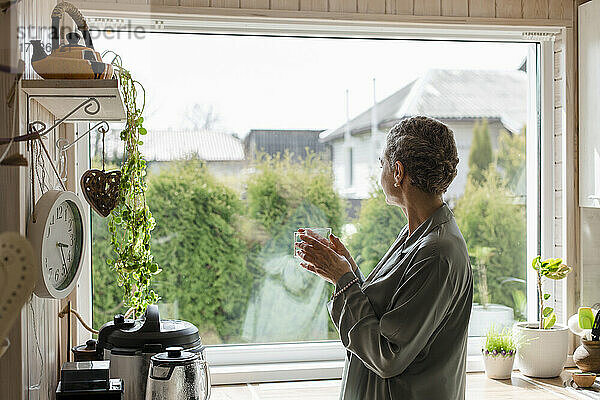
398	173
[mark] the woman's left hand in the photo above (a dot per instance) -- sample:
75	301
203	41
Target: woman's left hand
321	259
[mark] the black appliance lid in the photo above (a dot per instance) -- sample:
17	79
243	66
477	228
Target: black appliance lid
149	334
174	356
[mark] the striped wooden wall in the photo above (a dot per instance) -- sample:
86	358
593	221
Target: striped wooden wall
510	9
29	369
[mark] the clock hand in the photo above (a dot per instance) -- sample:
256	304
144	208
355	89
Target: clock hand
59	244
62	255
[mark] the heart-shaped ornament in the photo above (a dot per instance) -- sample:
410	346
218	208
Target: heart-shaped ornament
101	190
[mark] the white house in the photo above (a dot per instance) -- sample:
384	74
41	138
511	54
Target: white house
458	98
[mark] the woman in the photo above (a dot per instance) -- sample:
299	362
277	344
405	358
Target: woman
405	325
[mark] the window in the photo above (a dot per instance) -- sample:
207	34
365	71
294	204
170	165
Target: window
349	167
249	131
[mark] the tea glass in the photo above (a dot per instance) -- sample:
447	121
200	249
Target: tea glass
323	232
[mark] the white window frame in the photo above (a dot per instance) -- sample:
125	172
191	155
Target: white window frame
232	364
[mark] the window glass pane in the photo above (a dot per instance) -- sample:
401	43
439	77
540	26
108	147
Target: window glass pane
250	138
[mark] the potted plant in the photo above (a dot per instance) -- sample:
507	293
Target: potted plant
130	223
499	353
544	344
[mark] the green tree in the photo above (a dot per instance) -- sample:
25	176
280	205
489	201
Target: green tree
199	247
511	160
283	195
378	226
480	154
489	217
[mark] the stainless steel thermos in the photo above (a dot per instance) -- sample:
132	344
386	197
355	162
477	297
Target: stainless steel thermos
178	375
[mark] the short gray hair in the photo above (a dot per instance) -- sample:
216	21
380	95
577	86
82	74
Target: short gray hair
427	150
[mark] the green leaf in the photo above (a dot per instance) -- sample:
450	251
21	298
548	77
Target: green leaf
547	311
536	263
143	131
546	296
550	321
561	272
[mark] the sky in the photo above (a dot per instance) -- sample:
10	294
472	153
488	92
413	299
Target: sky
286	83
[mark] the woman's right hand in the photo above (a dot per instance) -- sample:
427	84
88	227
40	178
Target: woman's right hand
338	247
335	244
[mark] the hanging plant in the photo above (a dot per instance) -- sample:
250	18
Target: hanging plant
130	224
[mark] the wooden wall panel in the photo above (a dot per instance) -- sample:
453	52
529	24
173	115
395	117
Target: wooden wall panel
535	9
509	9
402	7
560	9
347	6
293	5
371	6
312	5
136	1
225	3
455	8
203	3
482	8
427	7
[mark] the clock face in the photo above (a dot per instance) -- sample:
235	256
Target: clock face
62	244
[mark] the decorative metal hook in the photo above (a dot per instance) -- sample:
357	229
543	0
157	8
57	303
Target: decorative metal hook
88	106
102	127
93	102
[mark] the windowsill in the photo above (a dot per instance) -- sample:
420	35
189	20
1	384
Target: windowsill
478	387
303	371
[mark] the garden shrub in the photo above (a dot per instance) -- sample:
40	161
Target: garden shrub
199	248
378	225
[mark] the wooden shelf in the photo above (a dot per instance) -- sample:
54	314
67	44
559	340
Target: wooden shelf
61	96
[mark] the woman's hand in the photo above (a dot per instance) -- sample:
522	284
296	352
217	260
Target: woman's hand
320	258
336	244
338	247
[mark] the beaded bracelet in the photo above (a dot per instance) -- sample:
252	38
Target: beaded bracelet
352	282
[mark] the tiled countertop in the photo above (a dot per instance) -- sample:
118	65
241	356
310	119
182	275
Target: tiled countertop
478	388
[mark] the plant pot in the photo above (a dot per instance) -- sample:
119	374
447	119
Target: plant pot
542	352
498	366
587	356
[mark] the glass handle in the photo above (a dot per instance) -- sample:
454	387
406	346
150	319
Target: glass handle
207	381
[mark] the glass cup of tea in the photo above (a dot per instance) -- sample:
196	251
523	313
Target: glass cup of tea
323	232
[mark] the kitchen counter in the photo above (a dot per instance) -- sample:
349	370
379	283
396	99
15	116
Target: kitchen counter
479	387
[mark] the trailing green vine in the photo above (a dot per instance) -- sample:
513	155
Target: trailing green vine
130	224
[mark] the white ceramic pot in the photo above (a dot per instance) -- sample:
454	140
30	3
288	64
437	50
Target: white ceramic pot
542	352
498	366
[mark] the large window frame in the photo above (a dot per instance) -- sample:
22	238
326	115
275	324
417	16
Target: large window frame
324	359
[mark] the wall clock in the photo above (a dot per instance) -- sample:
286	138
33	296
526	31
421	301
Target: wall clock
59	238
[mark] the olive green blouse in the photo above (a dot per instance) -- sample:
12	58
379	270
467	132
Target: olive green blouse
405	325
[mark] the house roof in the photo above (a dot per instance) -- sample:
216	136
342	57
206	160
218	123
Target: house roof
273	141
451	94
170	145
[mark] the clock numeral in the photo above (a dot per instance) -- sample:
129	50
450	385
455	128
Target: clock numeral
59	212
70	225
72	237
48	233
52	220
56	276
